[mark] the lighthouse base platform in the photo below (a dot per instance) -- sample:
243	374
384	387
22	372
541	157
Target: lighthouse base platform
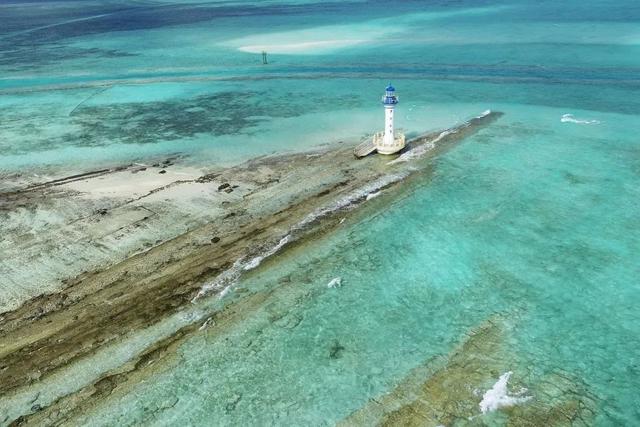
382	148
376	143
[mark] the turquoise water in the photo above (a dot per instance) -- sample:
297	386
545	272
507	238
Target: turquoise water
112	81
534	219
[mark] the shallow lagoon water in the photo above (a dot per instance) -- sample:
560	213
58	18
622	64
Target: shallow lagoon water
533	219
501	225
164	78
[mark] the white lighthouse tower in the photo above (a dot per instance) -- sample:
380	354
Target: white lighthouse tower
389	141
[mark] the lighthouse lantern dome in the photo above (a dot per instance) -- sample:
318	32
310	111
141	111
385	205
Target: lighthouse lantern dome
390	98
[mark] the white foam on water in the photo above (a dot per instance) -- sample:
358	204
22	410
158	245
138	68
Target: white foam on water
206	323
226	290
498	396
569	118
421	150
222	282
335	283
373	195
352	197
257	260
226	280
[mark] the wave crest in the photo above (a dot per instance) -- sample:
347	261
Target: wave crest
569	118
226	280
498	396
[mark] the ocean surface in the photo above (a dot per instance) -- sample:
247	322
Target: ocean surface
533	221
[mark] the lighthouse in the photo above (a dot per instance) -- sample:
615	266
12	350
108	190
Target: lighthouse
389	100
389	141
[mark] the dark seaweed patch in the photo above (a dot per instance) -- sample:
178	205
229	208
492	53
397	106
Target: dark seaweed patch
222	113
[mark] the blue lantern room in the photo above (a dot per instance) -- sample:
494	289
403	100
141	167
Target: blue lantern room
390	97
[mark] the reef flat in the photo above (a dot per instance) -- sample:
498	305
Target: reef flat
121	250
449	390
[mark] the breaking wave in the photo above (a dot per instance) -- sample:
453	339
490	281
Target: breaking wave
223	282
353	197
373	195
569	118
226	280
420	150
424	148
257	260
498	396
335	283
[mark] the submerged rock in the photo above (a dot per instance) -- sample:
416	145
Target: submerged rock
446	391
233	402
336	350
